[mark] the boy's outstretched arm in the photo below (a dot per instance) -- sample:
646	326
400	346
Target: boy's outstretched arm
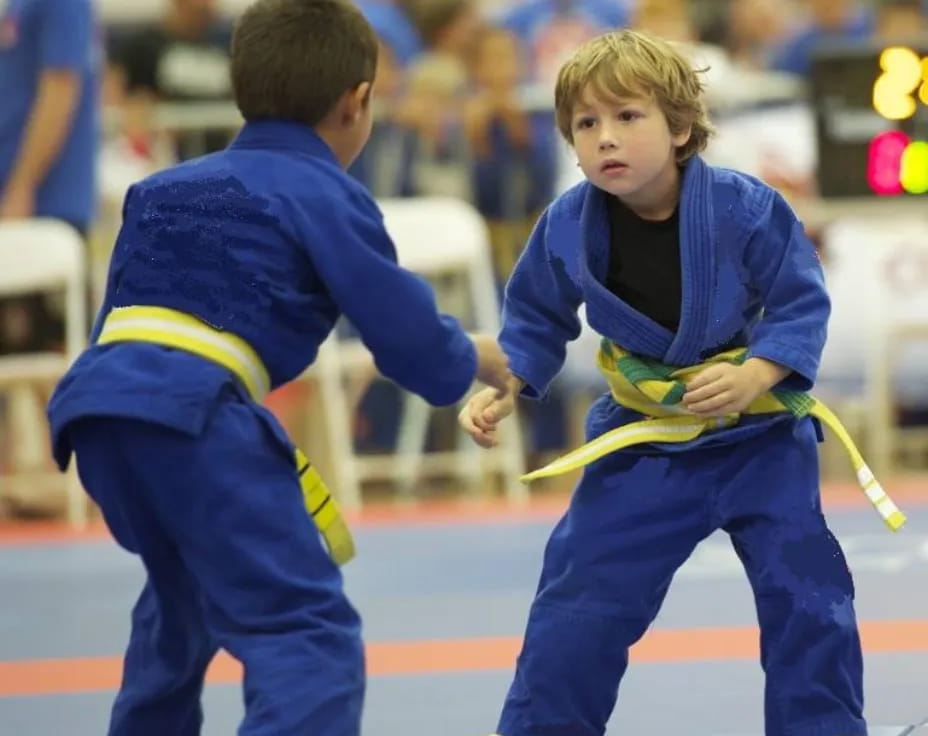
539	318
540	309
492	363
394	310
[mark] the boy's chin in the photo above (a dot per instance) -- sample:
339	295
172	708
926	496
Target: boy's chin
616	190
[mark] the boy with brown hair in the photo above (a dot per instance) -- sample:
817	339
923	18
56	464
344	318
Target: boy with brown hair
228	273
712	308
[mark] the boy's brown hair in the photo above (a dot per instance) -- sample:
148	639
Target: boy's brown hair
633	64
293	59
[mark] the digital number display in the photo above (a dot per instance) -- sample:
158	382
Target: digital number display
897	163
871	109
902	85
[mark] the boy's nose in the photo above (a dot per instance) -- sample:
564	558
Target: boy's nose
607	140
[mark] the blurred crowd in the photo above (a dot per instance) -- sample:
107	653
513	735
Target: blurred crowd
464	91
464	87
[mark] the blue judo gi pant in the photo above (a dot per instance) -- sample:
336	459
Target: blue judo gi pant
233	561
632	522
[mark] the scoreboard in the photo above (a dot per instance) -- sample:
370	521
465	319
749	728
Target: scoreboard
871	118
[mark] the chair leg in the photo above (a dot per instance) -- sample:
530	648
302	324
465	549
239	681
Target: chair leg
76	498
410	444
470	461
336	415
513	462
26	448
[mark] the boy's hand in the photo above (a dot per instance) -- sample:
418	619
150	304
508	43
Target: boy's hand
492	363
485	409
725	388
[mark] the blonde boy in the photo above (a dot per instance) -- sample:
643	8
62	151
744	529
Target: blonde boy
676	263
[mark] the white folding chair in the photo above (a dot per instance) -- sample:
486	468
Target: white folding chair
438	238
878	333
41	255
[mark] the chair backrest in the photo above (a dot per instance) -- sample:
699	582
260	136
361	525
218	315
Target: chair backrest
435	234
44	254
39	254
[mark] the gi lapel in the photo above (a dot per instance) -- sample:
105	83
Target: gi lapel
607	314
697	253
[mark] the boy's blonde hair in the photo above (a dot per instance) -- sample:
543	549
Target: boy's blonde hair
632	64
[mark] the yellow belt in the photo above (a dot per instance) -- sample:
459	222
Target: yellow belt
656	390
174	329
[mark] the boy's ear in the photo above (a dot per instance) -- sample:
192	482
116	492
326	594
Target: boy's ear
682	138
356	101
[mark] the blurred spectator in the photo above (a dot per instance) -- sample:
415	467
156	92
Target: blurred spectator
730	84
669	19
550	30
182	58
497	72
901	19
436	86
447	27
433	108
385	164
50	68
755	29
512	147
674	21
393	25
829	21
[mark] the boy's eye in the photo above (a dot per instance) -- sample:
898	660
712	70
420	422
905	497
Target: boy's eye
584	123
628	115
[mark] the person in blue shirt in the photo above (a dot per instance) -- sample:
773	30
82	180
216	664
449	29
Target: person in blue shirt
50	66
550	30
385	166
831	21
228	273
707	294
513	148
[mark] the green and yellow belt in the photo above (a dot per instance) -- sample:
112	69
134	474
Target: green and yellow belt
175	329
656	391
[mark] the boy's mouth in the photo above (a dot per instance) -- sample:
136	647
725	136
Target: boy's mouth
611	166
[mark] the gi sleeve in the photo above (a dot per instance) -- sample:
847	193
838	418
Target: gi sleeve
393	310
539	312
788	274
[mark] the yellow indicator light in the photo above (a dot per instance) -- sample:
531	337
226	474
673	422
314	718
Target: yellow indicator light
903	73
913	172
